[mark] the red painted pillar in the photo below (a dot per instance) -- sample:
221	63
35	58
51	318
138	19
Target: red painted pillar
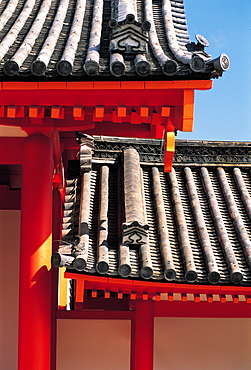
56	235
35	253
142	336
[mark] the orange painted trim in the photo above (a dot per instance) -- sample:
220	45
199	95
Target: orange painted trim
99	112
86	85
78	112
121	111
111	85
144	111
133	85
52	85
200	84
165	111
36	112
20	85
189	84
106	85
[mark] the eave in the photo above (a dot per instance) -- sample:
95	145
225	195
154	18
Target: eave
169	300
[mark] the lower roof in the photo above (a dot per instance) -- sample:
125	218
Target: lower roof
127	218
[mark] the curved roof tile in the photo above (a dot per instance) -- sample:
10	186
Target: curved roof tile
102	39
126	217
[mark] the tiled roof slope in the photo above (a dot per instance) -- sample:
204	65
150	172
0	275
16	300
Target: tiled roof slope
126	217
102	38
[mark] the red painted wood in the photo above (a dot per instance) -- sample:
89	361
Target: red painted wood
11	150
202	309
90	85
142	336
35	251
154	288
78	113
57	112
95	315
36	112
94	97
56	236
9	199
121	111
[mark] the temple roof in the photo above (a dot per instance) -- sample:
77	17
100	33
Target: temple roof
102	39
126	218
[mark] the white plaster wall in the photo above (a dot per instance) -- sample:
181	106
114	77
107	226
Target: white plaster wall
93	345
202	344
9	274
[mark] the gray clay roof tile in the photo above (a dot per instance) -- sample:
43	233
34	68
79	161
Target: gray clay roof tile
125	217
102	39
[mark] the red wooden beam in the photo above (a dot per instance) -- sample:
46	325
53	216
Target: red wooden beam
95	315
148	93
135	118
115	117
168	309
202	309
137	286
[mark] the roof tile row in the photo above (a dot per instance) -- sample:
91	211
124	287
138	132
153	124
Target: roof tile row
109	39
132	219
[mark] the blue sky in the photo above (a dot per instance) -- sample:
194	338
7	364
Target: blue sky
224	112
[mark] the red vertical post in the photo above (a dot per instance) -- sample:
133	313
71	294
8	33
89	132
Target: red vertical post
35	252
56	236
142	336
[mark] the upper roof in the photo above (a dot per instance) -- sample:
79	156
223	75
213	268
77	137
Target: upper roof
102	39
126	217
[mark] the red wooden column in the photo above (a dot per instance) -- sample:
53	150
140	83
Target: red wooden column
56	235
142	336
35	253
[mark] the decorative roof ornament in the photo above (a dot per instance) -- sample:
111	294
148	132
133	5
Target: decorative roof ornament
202	41
86	151
104	39
128	39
